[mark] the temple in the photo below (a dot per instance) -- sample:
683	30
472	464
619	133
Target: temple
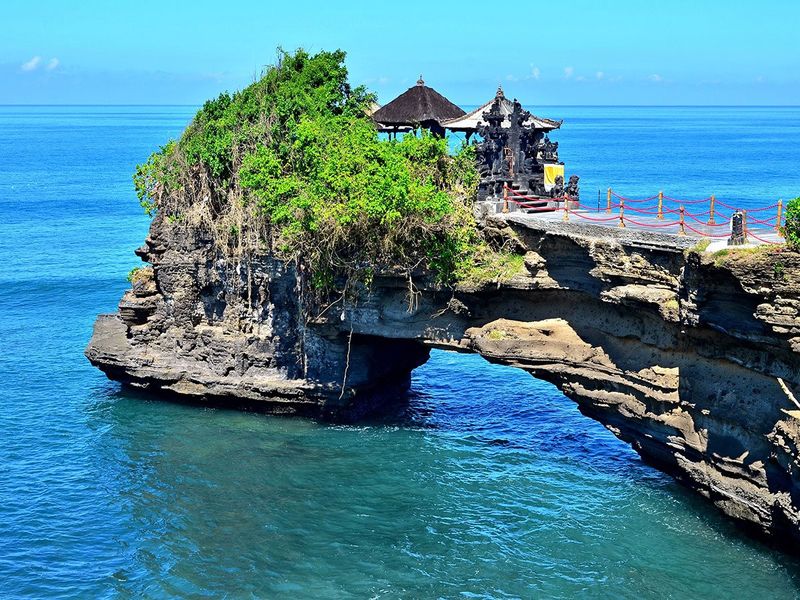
514	150
418	106
470	122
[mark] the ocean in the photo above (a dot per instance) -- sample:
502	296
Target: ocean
489	485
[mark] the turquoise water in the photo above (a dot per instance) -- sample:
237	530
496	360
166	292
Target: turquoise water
489	484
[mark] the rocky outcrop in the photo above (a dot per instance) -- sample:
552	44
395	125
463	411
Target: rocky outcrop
689	357
233	332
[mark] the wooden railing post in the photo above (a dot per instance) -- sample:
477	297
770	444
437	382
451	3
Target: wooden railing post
660	205
621	213
682	228
505	198
608	201
711	220
778	227
565	218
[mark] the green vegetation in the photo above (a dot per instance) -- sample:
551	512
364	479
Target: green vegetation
293	163
791	230
720	256
497	335
140	274
672	305
699	247
764	255
489	266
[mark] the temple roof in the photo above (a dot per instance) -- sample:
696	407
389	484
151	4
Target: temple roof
418	104
471	120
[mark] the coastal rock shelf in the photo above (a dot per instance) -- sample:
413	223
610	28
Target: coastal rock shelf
691	358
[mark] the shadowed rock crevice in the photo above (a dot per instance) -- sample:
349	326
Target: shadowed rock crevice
692	360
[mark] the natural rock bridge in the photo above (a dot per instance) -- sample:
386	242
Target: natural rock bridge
689	357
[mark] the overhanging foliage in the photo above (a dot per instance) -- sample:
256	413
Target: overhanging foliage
294	162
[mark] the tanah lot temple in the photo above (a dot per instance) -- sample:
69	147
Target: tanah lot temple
514	151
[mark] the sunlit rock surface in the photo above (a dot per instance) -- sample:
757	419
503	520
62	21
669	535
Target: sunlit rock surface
691	358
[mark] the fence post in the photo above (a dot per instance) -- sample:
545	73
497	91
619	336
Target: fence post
621	213
660	205
608	201
682	229
505	198
711	220
565	217
778	227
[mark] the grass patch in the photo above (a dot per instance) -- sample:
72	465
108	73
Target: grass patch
491	267
497	335
698	248
720	257
140	275
768	264
671	304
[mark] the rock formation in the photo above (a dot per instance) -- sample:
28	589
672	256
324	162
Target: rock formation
691	358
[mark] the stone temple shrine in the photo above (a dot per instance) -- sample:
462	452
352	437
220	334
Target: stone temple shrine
513	148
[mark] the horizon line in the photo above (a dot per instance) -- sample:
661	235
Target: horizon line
33	105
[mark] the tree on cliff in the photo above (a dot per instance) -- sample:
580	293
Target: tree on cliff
293	164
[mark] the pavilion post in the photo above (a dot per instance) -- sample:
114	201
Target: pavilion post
711	219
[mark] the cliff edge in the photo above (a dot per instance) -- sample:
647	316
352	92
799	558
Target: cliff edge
689	357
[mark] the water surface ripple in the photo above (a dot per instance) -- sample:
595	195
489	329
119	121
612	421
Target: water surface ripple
489	484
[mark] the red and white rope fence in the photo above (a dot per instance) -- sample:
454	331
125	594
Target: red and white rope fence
650	214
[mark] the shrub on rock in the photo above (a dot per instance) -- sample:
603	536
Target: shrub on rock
792	228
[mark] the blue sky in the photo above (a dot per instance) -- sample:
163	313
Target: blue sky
556	52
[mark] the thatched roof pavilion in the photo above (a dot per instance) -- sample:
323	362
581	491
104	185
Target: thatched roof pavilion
417	106
469	122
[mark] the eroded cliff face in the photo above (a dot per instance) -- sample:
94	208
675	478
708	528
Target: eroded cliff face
690	358
233	331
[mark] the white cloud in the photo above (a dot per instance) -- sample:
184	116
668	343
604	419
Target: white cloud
760	79
52	64
536	73
568	72
379	80
32	64
599	75
656	78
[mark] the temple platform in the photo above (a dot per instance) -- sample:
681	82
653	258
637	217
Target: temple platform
602	224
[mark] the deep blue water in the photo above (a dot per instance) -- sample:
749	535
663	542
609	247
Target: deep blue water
491	485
